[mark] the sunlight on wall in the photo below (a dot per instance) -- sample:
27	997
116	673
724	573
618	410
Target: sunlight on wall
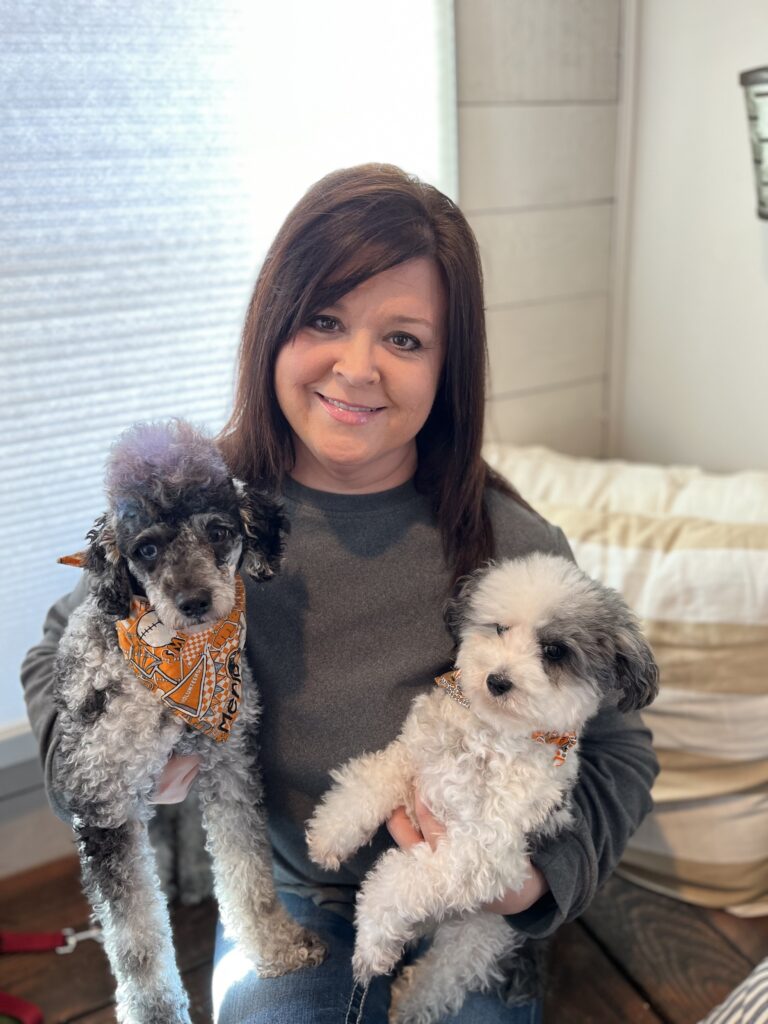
354	83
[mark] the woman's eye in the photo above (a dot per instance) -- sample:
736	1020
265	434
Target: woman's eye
501	630
324	323
554	652
217	534
147	551
405	342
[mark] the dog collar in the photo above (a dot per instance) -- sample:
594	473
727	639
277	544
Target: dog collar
195	675
564	741
449	681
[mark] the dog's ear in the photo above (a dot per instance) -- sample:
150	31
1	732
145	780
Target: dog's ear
636	669
264	531
614	649
456	607
111	579
632	669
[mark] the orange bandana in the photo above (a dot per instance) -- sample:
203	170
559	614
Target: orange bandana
196	675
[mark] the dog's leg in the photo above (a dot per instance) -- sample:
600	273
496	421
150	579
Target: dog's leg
193	865
396	895
407	887
120	879
235	823
162	836
464	957
365	792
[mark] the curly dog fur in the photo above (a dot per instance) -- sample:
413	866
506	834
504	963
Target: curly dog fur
177	530
540	645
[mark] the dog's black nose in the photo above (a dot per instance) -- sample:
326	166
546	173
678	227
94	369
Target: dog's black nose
498	685
193	602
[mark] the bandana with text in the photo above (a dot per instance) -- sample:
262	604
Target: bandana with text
195	675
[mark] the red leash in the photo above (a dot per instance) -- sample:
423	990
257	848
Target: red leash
30	942
20	1010
37	942
45	942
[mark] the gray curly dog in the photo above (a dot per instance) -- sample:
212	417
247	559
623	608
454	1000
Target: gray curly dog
177	531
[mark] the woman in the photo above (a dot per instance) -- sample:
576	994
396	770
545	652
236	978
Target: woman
361	399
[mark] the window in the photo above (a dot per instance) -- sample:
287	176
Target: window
150	152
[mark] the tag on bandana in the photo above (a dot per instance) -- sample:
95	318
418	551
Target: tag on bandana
196	675
562	741
449	681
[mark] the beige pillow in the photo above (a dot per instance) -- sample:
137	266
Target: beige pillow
689	551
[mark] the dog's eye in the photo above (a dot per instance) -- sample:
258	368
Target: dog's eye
554	652
148	551
500	630
217	533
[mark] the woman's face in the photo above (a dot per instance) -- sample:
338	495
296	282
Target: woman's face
357	383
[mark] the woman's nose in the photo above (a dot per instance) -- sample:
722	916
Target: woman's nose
357	360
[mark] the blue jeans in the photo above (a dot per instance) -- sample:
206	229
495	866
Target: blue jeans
326	994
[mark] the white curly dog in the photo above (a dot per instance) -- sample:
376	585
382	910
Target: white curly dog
540	646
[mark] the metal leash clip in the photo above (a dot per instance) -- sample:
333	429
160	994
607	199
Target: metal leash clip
71	938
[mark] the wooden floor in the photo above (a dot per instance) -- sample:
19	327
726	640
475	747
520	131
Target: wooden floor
633	957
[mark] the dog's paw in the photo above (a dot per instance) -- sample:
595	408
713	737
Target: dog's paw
401	996
306	950
148	1010
369	961
410	1012
419	997
323	845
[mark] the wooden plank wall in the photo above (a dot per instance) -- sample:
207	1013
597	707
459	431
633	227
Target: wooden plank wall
537	111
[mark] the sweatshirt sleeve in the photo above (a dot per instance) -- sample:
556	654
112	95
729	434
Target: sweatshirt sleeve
37	681
617	767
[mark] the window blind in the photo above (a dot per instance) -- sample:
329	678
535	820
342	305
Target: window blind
148	154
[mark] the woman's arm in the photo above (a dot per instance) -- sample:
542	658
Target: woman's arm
617	767
612	796
37	680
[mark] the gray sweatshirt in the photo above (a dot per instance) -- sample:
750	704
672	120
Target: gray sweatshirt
340	642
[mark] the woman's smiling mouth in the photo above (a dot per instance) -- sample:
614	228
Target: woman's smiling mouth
345	412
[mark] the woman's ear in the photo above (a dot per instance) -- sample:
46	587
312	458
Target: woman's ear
111	579
264	531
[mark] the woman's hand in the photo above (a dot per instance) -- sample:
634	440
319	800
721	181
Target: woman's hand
430	830
176	779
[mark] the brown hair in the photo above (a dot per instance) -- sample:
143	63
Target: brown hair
351	225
